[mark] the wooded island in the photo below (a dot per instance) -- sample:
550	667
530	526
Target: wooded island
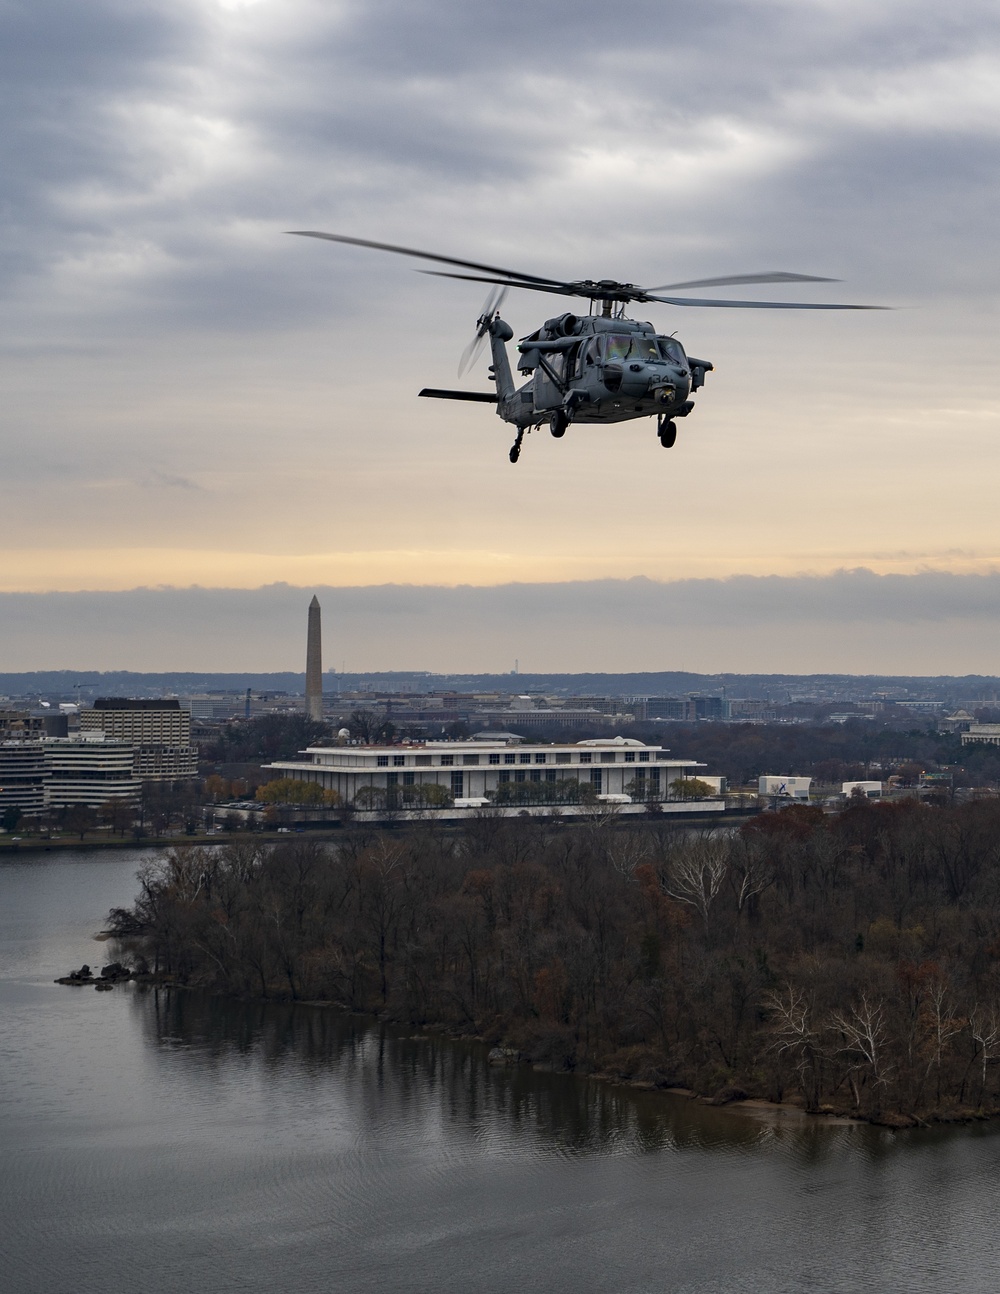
846	962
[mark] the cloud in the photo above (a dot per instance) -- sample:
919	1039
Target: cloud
852	621
157	150
158	479
226	387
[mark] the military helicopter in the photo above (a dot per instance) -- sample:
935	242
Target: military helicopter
596	368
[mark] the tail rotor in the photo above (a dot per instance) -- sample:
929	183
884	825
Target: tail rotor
489	312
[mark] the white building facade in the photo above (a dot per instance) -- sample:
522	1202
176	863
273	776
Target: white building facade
22	776
66	773
982	733
89	772
870	790
787	788
473	773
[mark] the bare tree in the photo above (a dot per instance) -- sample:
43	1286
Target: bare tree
626	850
796	1036
750	873
863	1034
942	1023
371	727
984	1025
695	872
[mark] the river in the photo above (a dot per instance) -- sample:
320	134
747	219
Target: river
157	1143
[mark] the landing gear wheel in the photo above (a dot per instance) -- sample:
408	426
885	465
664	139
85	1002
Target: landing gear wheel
667	431
558	424
515	449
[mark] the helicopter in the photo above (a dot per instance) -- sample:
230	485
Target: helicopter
601	367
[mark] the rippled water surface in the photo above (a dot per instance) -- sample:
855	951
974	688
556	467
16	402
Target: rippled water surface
161	1144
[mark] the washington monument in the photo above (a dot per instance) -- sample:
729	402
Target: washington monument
314	664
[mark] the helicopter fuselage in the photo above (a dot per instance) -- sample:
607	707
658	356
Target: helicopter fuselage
593	369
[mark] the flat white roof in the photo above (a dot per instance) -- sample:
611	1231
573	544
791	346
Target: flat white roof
592	743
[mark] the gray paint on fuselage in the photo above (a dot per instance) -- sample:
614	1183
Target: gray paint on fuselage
632	399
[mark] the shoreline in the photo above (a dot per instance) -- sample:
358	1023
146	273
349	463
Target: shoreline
770	1113
10	846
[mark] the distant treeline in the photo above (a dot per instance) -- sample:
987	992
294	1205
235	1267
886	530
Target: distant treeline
649	683
831	753
740	752
848	962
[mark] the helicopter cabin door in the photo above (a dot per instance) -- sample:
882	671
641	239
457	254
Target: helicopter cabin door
551	386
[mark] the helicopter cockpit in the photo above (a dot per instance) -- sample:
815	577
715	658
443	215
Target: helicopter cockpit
643	348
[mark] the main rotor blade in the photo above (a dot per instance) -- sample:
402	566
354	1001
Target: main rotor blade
769	276
561	289
427	256
640	294
760	305
536	283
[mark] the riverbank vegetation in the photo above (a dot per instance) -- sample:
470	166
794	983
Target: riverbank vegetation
847	962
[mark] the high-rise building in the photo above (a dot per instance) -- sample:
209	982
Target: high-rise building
67	772
89	772
22	776
314	663
159	730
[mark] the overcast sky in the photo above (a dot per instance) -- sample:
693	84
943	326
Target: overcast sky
189	396
853	621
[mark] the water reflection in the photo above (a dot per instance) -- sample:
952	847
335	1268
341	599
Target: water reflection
390	1076
166	1141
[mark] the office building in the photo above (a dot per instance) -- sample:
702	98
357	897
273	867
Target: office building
22	776
20	725
159	730
88	772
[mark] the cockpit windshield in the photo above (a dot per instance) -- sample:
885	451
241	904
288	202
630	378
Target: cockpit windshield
643	348
616	346
622	346
671	350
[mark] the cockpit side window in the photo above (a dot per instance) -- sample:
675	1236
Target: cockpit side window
671	350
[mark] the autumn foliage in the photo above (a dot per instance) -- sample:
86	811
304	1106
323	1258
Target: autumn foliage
849	962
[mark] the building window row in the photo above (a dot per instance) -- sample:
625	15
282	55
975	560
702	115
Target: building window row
494	758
